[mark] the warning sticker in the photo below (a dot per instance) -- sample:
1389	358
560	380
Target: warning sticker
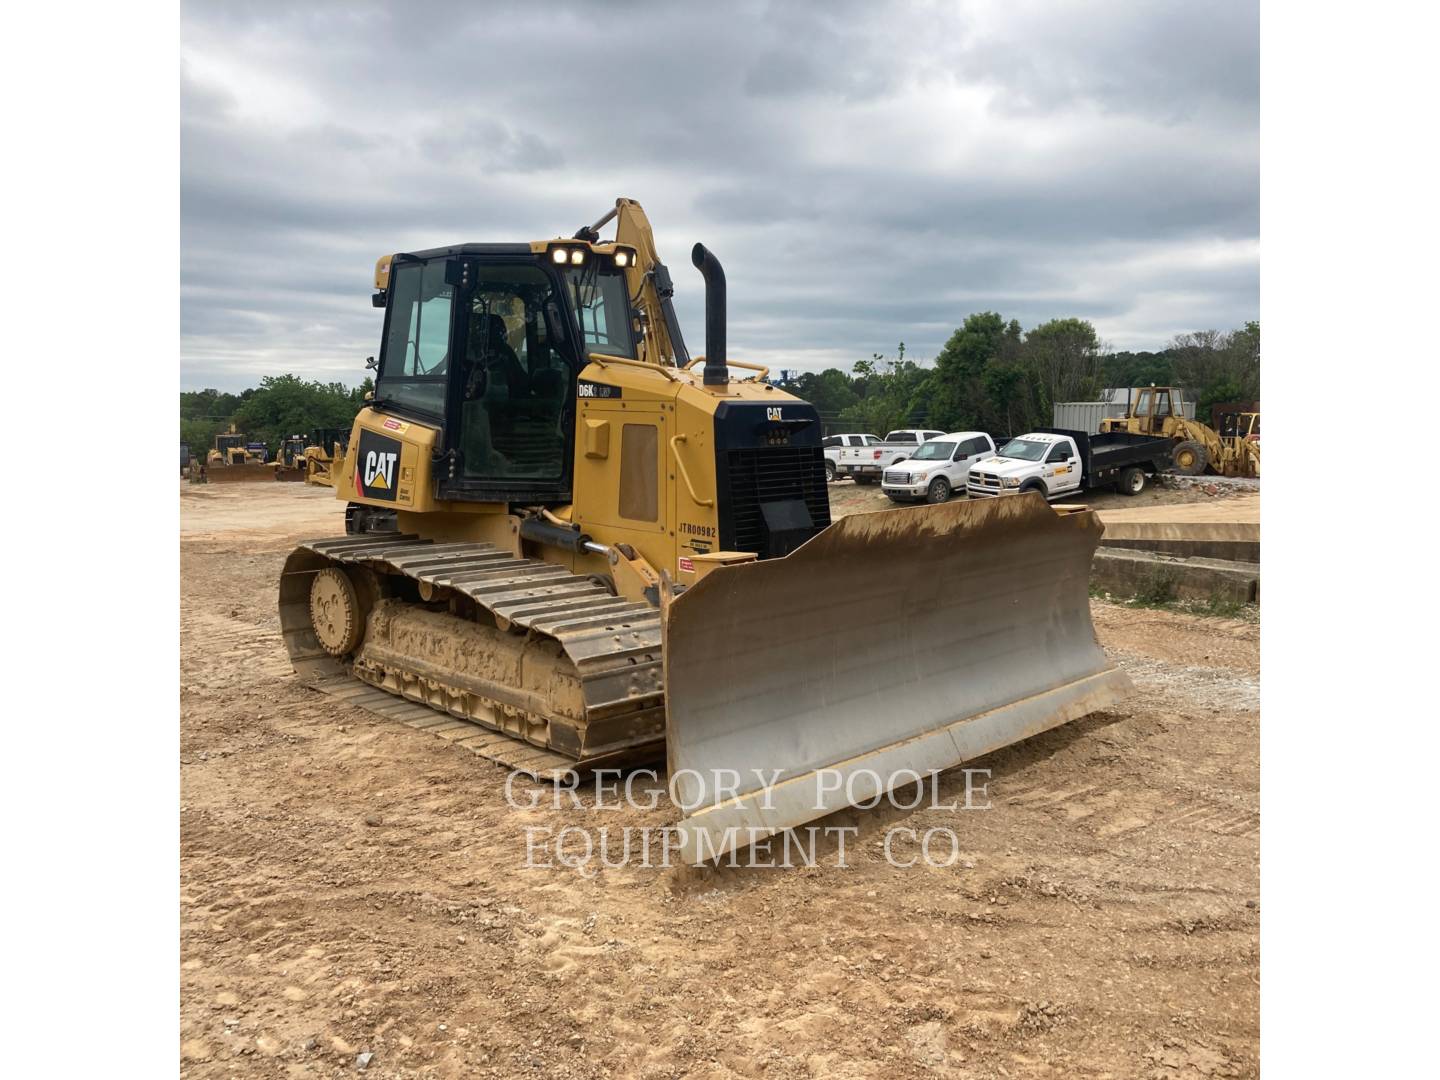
687	566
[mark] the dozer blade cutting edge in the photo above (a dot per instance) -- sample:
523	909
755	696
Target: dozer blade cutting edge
891	645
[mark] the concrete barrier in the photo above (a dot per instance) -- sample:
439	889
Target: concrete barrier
1230	540
1135	572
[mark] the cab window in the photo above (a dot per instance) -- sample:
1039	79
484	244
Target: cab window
1059	452
415	355
516	386
602	305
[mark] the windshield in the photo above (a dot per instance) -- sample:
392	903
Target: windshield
934	451
1024	450
603	306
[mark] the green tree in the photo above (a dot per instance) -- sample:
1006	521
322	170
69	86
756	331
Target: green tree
1063	357
1218	367
1138	369
890	396
207	405
831	392
955	389
1009	399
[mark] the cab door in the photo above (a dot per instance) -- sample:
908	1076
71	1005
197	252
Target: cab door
967	453
1062	468
1161	412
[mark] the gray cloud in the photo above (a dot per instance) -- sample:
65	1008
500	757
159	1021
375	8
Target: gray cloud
869	173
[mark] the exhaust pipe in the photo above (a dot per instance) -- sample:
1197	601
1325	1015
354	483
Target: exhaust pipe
716	371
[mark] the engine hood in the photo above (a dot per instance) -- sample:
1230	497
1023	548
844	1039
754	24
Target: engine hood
1003	466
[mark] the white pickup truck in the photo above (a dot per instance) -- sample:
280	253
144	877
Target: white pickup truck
834	444
865	464
1059	461
937	468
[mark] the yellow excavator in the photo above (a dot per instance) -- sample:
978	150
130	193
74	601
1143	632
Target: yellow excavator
569	545
1160	410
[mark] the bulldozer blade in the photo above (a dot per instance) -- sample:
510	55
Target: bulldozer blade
890	646
230	474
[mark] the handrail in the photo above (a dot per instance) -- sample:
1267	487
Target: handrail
764	371
605	360
684	473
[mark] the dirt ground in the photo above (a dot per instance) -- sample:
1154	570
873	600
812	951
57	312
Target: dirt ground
350	886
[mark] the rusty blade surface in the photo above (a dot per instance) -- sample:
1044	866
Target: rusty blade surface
894	643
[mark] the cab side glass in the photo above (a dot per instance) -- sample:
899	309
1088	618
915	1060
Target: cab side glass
415	356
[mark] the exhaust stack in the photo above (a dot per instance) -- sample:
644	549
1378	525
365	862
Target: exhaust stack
716	371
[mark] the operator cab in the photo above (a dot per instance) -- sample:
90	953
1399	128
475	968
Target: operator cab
486	342
1154	406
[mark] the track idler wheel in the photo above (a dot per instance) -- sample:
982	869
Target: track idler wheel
335	612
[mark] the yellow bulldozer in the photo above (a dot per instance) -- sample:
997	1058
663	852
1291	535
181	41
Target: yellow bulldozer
232	459
290	461
573	545
1160	410
327	446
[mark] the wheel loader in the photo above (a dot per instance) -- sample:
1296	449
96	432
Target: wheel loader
571	545
1159	410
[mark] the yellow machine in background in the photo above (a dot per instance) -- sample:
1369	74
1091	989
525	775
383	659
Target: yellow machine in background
327	447
230	461
1159	410
289	463
578	546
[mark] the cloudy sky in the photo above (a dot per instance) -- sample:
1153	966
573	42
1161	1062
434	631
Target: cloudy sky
868	172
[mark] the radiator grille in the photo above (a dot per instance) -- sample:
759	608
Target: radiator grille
772	474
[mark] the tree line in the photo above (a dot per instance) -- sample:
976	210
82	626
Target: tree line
281	406
992	376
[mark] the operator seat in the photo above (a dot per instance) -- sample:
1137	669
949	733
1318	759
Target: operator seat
501	366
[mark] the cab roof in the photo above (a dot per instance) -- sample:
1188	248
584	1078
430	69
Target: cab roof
471	249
